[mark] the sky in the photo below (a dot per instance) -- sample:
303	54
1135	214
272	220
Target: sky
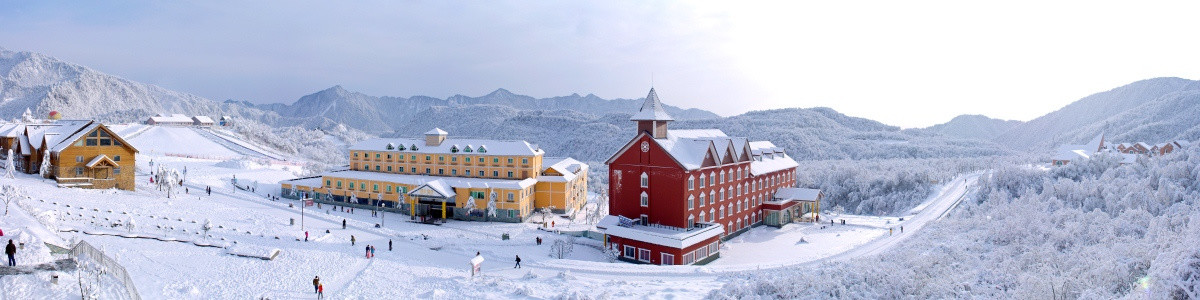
904	63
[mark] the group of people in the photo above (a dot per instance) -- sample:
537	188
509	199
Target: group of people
318	287
370	251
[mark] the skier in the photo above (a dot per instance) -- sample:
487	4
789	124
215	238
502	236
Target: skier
11	250
321	291
352	240
317	284
343	223
305	235
518	266
389	244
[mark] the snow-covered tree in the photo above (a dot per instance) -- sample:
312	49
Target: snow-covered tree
44	170
353	199
206	227
470	205
491	208
11	193
561	248
8	166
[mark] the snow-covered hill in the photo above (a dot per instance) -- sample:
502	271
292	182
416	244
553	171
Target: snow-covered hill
1148	110
973	127
387	114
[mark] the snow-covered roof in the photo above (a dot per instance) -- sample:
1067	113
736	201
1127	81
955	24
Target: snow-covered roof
673	237
494	147
1095	144
1144	145
11	130
59	144
1128	158
1183	143
689	147
439	187
436	131
568	167
174	118
99	158
772	164
799	194
652	110
1070	155
417	180
202	119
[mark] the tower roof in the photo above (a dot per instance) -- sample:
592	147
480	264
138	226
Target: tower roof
652	110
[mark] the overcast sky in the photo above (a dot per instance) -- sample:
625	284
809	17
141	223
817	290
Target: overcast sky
904	63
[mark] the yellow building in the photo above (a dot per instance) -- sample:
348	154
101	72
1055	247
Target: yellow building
83	153
439	176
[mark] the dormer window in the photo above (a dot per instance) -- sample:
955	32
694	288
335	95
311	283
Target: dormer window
454	149
482	149
467	149
402	148
413	147
391	146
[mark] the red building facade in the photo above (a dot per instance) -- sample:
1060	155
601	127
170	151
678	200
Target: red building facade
681	191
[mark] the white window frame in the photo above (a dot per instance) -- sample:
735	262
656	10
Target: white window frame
644	253
703	198
664	257
691	182
645	199
691	221
703	183
691	202
645	180
630	252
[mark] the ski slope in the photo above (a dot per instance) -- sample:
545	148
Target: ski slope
179	141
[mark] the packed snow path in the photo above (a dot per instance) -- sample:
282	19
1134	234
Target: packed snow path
232	145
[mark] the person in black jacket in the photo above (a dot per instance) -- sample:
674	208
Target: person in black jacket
518	262
11	250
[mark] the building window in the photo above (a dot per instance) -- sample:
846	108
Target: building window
328	183
441	158
78	171
339	183
691	221
480	173
702	214
702	182
510	160
722	177
702	197
691	202
644	219
721	194
712	198
414	170
510	197
454	159
441	171
645	199
691	183
117	171
79	158
645	180
454	172
116	158
495	173
644	255
729	193
376	187
712	179
629	251
524	161
428	171
376	167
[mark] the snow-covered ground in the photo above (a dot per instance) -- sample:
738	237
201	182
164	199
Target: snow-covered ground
167	252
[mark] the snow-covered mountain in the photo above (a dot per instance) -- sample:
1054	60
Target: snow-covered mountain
973	127
807	134
42	84
1150	110
386	114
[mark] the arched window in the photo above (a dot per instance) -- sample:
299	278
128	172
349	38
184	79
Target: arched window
691	221
712	197
691	202
645	180
702	217
645	199
702	199
702	182
691	182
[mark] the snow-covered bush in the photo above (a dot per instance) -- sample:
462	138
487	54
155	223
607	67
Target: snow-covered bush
562	247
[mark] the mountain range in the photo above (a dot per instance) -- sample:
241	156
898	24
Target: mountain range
586	127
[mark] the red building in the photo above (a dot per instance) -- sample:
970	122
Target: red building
674	194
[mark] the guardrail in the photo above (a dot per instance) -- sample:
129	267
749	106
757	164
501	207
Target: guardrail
110	266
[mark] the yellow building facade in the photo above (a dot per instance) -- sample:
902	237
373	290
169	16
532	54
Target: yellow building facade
442	177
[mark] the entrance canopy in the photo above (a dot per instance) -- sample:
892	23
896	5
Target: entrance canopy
101	160
434	189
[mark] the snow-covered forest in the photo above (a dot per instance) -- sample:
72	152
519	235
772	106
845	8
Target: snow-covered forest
1090	230
887	186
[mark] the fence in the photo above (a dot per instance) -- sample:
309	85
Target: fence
108	264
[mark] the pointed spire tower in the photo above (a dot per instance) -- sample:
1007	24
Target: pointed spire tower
652	118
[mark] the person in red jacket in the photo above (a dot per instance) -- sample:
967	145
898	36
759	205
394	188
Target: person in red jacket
321	291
